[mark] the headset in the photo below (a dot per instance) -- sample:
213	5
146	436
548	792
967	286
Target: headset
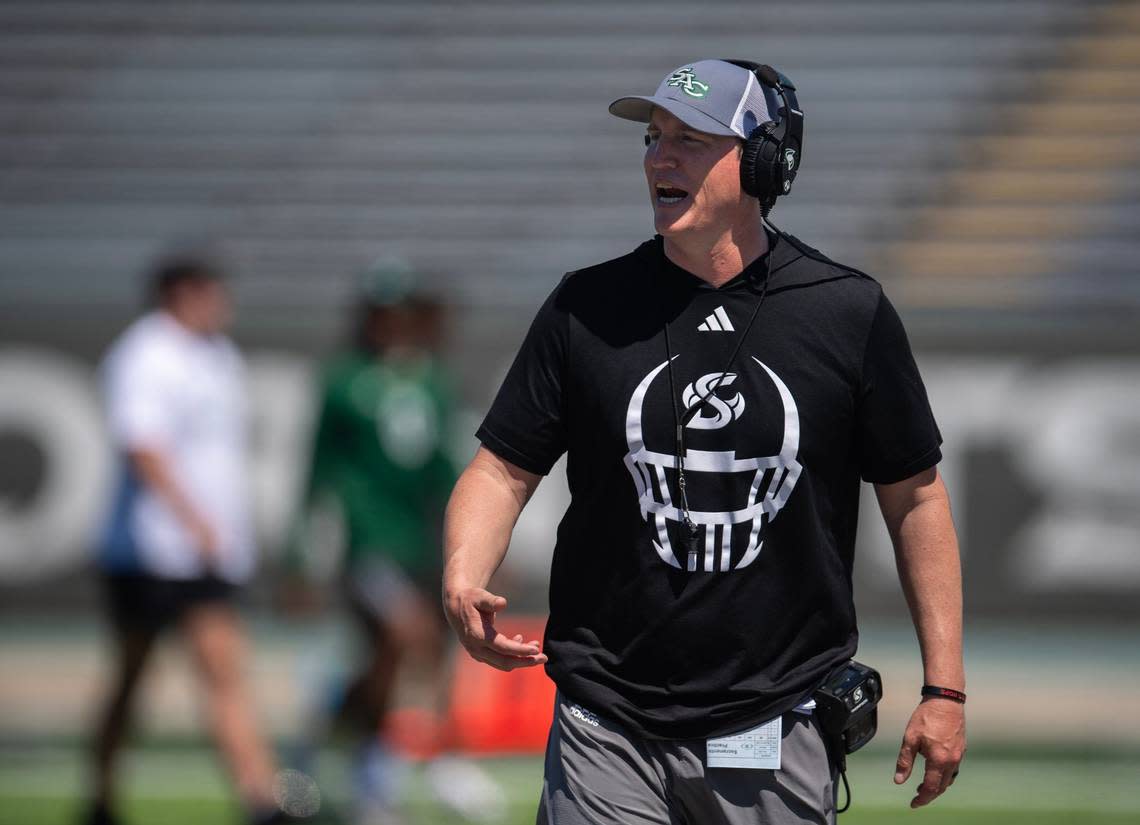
774	150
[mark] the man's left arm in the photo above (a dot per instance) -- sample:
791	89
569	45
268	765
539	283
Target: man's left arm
917	514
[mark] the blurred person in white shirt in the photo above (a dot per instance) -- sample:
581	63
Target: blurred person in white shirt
179	546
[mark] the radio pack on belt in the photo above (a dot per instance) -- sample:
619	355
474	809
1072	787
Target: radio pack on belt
845	705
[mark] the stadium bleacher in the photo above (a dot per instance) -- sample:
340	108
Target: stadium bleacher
304	139
1045	210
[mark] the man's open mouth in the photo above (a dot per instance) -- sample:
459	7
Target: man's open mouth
670	195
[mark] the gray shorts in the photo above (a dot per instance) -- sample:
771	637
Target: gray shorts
598	773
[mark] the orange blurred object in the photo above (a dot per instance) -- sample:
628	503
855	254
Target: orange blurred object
497	712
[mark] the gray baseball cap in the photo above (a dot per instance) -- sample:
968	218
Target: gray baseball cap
711	96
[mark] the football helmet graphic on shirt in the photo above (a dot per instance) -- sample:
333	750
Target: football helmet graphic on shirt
729	494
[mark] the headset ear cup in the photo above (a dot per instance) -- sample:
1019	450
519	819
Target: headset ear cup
749	161
758	172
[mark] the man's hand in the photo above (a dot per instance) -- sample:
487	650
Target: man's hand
481	514
937	730
471	613
205	538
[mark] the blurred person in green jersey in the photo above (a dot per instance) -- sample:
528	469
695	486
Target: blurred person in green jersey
379	479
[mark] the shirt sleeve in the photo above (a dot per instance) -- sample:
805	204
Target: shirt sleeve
897	435
526	424
138	406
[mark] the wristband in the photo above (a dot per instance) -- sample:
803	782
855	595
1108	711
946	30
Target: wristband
944	693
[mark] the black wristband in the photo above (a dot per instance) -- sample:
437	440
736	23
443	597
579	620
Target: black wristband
944	693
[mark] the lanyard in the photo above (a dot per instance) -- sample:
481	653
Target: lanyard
692	532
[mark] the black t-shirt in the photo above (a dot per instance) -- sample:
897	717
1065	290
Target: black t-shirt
684	641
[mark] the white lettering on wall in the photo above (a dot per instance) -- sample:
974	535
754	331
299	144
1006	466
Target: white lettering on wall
1071	431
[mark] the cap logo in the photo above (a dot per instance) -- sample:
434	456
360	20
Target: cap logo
688	83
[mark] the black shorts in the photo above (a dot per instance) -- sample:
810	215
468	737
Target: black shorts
140	601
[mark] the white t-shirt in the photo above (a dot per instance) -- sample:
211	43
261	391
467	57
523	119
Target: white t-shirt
182	395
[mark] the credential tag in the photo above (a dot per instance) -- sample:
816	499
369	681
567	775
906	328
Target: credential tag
757	748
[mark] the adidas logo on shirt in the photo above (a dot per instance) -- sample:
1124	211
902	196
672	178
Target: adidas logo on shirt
717	322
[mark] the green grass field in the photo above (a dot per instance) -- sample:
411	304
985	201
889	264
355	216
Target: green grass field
199	812
182	785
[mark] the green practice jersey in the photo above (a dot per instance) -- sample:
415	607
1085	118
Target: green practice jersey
380	455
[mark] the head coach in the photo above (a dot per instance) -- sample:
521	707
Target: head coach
720	392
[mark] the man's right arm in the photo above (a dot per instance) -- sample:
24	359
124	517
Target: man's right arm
152	468
481	514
